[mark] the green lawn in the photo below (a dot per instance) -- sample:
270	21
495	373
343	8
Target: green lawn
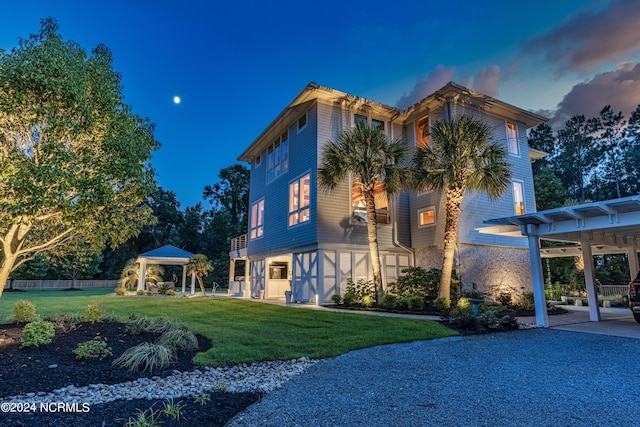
245	331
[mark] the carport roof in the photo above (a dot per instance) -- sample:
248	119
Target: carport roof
612	223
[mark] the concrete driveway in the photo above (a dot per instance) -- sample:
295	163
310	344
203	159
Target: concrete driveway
614	321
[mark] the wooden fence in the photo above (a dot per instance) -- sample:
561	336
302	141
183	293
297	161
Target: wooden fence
62	284
609	290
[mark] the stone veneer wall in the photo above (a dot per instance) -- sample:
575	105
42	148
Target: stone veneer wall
493	269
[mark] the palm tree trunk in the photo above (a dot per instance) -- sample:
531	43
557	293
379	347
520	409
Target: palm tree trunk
454	196
372	230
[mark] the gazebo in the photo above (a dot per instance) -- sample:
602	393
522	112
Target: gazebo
166	255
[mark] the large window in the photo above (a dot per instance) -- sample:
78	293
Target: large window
512	139
278	157
518	197
257	220
358	206
367	121
423	140
299	198
427	217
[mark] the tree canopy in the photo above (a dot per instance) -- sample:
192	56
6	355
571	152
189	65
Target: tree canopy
74	158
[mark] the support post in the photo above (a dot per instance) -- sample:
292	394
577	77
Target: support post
590	281
184	279
143	274
193	283
632	258
540	300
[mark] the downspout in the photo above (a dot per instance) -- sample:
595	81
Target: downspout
394	213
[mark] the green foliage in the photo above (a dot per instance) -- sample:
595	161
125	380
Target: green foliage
203	399
173	410
170	293
555	291
221	387
200	266
504	298
528	302
489	318
120	291
94	312
130	274
441	303
23	312
67	322
146	356
140	292
74	159
390	301
414	302
336	298
144	419
165	287
179	338
463	302
361	292
37	333
93	349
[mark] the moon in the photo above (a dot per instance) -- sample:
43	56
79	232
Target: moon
176	100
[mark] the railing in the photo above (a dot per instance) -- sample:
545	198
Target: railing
238	243
608	290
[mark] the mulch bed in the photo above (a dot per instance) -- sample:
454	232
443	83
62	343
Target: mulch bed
52	366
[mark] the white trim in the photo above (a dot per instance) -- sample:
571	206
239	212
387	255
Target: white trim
513	194
258	226
429	208
308	207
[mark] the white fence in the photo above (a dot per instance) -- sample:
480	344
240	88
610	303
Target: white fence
61	284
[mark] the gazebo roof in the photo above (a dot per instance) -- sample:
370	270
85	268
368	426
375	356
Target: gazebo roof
168	254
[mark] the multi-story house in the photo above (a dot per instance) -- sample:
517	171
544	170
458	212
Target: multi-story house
310	241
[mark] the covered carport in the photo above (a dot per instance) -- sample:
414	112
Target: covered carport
611	226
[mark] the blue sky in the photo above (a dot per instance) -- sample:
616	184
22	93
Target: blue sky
236	65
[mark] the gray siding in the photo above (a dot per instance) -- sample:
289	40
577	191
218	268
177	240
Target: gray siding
302	159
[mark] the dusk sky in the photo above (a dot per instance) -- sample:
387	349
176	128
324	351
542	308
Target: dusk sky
235	65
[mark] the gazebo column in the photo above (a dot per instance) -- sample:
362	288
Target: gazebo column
143	274
193	283
246	285
590	281
184	279
632	257
539	298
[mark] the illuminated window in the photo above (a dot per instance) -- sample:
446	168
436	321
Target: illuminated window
512	139
257	220
423	140
426	217
299	198
278	157
358	206
518	197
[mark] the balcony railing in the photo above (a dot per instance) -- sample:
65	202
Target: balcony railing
238	243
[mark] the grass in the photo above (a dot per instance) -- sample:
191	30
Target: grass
244	331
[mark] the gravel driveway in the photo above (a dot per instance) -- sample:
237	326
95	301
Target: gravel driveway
537	377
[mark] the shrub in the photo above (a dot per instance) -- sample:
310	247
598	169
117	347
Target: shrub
66	322
390	301
202	399
37	333
144	420
415	302
489	318
336	298
528	302
93	349
441	303
170	293
94	312
146	356
165	287
120	291
417	281
179	338
463	302
23	311
139	292
173	410
360	292
504	298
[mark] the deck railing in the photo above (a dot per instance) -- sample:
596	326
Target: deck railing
238	243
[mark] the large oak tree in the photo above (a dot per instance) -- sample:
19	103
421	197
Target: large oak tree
74	159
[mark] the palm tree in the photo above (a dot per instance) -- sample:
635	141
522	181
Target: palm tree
371	158
200	266
131	273
462	157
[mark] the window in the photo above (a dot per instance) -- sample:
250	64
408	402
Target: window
278	157
512	139
364	120
360	119
302	122
518	197
377	124
427	217
358	207
299	198
278	270
423	140
257	220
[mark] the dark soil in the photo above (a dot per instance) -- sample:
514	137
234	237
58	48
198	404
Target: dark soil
53	366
